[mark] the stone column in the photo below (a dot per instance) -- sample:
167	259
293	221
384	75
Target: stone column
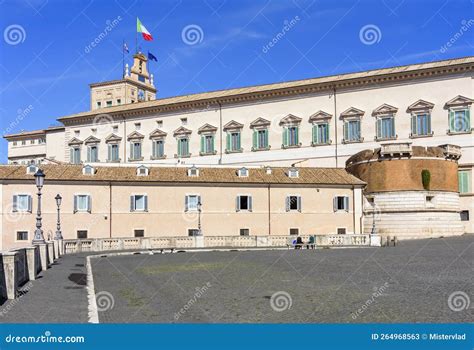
43	256
50	252
30	260
61	247
9	272
56	249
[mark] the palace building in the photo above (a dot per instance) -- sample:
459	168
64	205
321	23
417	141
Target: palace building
315	123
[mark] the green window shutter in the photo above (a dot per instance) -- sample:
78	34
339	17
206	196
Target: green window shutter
327	132
297	137
346	131
179	147
451	121
379	128
227	142
254	139
392	122
285	136
238	141
314	132
203	139
413	125
464	181
265	134
428	122
468	119
212	144
109	152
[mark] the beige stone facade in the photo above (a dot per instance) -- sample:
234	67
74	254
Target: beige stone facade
318	122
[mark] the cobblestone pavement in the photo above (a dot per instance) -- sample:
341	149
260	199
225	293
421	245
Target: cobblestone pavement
417	281
58	295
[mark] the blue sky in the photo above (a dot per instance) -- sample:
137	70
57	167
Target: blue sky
46	61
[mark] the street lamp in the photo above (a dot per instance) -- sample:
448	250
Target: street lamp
59	235
199	205
39	179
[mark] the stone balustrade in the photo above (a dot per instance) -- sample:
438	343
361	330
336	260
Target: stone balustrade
131	243
21	265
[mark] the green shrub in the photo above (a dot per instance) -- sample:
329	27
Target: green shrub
426	178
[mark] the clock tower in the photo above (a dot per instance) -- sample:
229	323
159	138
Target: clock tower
135	86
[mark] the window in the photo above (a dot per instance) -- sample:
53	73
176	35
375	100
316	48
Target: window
119	101
138	126
320	134
184	121
141	95
464	179
94	131
183	147
464	215
88	170
139	202
386	127
294	231
22	235
191	202
81	234
193	232
293	172
115	128
77	133
141	78
109	103
14	143
290	136
421	124
32	142
233	142
92	154
243	172
193	171
158	150
293	203
207	144
159	123
31	169
99	104
142	170
243	202
341	230
75	155
113	153
23	142
459	120
260	139
41	141
352	131
244	232
139	233
82	203
135	151
341	203
22	203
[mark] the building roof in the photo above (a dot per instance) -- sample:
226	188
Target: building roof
53	172
39	132
288	88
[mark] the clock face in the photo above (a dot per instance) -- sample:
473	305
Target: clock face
141	95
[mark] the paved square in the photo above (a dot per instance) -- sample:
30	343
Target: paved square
412	282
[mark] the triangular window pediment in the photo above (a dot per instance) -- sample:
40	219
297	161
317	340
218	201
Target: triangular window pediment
233	125
207	128
385	109
135	136
113	138
352	112
459	101
182	131
290	119
157	133
75	141
259	122
91	139
420	105
319	115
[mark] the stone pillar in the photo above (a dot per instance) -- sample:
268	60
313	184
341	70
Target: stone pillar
30	260
50	252
9	272
56	249
61	247
43	256
198	242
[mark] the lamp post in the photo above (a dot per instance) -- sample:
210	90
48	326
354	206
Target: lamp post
59	235
199	205
39	179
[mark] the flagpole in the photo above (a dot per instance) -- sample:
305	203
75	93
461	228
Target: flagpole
136	39
123	58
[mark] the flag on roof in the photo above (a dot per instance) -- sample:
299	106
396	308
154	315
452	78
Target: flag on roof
141	29
125	48
152	57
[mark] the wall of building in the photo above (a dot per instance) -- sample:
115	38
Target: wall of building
111	216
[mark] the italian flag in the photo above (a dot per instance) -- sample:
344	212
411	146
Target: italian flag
141	29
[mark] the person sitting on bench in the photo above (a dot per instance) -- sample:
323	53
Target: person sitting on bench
311	243
299	243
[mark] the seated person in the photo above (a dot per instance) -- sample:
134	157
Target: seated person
299	243
311	242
